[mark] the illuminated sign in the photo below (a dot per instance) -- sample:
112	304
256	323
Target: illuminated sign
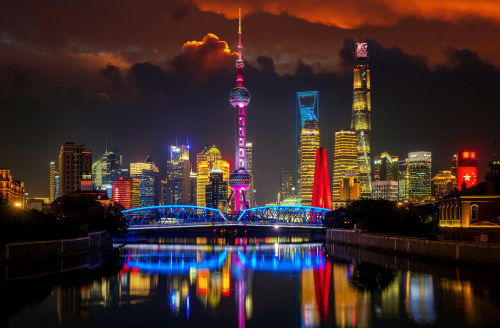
467	175
361	49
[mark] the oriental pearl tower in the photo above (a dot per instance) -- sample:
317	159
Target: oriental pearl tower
239	98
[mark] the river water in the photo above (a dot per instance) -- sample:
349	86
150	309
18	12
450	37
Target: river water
279	281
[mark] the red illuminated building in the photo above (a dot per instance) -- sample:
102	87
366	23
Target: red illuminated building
321	196
125	192
466	168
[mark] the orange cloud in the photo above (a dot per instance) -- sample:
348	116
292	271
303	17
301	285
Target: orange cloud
356	13
202	58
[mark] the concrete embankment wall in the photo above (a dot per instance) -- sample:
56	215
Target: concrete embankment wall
466	252
55	248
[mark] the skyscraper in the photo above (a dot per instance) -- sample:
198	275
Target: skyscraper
74	161
309	142
107	168
344	159
306	104
52	181
240	180
419	176
350	187
361	116
250	192
178	176
443	184
126	192
216	191
386	167
149	183
287	188
207	160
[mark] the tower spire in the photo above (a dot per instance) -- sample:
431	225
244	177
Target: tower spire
240	48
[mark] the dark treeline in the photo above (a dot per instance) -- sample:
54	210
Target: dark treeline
67	217
386	217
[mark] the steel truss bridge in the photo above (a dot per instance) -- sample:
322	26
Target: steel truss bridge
188	215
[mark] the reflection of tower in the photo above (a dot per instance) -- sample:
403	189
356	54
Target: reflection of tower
361	116
240	179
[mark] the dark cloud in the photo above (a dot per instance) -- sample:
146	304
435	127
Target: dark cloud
19	76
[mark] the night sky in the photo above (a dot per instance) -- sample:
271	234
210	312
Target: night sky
141	73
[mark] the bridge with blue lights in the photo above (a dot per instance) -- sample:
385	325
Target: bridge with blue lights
172	216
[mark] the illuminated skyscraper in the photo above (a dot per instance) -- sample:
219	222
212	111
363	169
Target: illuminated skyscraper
350	187
216	191
344	159
251	190
306	104
419	176
240	180
361	116
386	167
287	188
149	182
309	142
466	168
178	176
74	161
443	184
106	170
208	159
403	179
52	181
126	192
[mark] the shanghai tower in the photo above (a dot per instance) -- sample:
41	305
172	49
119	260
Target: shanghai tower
361	116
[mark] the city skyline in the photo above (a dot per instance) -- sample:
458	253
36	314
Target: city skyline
419	93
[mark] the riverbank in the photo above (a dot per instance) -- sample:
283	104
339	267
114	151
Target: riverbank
446	250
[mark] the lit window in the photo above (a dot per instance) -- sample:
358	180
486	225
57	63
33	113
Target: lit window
474	209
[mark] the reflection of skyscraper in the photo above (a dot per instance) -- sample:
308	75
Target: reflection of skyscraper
178	176
361	116
419	176
345	159
309	142
73	303
306	104
149	182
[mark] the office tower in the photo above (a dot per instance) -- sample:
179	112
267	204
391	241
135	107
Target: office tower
251	189
52	181
309	142
306	104
240	180
216	191
386	190
56	181
322	196
403	179
11	190
192	188
106	169
350	187
287	188
361	116
126	192
466	165
208	159
178	176
443	184
149	182
419	176
345	159
386	167
74	161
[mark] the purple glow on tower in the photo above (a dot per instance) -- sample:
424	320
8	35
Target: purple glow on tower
239	180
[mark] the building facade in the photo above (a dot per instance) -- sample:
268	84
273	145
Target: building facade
216	191
419	176
208	159
309	142
11	190
178	184
386	190
287	185
386	167
126	192
74	162
52	181
443	184
106	170
149	182
350	187
345	159
361	116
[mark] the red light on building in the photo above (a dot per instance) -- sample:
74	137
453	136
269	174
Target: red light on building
473	155
122	193
465	154
321	196
467	175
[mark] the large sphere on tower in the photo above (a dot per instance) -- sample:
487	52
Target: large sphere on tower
239	97
240	179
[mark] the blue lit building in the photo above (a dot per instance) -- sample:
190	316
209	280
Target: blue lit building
306	104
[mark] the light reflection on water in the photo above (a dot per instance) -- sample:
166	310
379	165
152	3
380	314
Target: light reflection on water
266	283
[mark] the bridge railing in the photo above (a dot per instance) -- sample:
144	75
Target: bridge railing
299	215
173	215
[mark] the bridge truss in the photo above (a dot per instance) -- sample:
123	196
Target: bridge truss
290	215
172	215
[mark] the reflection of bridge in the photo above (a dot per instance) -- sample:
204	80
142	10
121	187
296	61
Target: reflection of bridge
188	215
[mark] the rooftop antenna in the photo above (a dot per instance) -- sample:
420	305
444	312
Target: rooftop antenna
106	145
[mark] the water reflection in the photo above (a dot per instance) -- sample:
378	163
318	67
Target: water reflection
267	283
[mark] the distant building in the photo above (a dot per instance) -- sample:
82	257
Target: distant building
149	182
387	190
419	176
178	176
106	170
344	160
287	188
216	191
11	190
52	181
74	162
192	187
386	167
309	142
443	184
126	192
86	183
350	187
